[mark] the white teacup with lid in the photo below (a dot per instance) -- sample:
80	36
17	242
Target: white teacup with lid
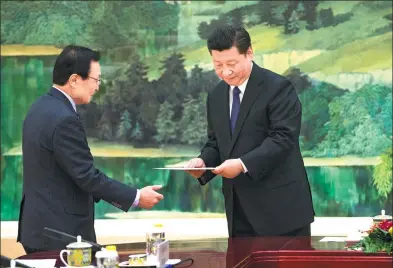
78	254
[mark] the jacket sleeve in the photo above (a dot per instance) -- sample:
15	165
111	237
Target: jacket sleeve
210	152
284	111
72	153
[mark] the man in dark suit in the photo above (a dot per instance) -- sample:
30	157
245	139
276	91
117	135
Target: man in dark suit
254	118
60	181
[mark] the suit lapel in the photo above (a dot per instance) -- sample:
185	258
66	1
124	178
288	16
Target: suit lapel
251	93
223	113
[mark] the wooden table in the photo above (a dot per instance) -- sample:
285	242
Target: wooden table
266	252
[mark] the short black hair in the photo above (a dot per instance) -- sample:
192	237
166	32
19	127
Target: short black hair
73	60
226	37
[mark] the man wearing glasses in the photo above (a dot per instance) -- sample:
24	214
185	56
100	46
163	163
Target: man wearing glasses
60	181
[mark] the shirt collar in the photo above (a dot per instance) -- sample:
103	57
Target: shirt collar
68	97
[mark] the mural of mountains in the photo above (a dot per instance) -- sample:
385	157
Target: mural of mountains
157	73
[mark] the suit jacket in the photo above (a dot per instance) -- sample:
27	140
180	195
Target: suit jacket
60	182
275	194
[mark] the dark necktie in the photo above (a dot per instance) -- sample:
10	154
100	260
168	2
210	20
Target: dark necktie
235	107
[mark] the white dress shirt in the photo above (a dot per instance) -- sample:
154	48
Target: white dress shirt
242	89
68	97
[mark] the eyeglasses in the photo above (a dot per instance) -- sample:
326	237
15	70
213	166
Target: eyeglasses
97	80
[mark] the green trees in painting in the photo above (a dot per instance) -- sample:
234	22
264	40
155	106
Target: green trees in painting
172	85
166	126
355	126
169	110
123	131
382	176
105	131
193	123
134	109
384	118
31	23
310	10
100	24
292	16
315	100
235	17
337	122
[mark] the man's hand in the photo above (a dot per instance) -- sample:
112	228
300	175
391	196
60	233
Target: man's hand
196	163
149	197
229	169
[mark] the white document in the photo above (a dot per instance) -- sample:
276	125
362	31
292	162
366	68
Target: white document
332	239
186	168
46	263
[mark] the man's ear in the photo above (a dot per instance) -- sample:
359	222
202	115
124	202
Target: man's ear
72	80
250	52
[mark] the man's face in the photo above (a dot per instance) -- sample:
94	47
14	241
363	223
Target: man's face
83	90
231	66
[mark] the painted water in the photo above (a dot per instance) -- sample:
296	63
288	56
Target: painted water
337	191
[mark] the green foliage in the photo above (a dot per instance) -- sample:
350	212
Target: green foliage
124	128
165	125
293	25
132	92
382	176
329	128
137	133
353	128
100	24
330	186
126	93
193	122
377	241
311	14
326	17
104	29
356	21
105	131
292	17
232	17
148	112
173	83
315	102
31	23
385	117
265	12
196	81
201	81
21	84
334	122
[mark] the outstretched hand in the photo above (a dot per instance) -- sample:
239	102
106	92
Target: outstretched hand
149	197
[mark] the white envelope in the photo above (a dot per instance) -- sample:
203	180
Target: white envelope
186	168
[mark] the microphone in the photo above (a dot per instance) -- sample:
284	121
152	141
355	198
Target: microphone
67	238
6	262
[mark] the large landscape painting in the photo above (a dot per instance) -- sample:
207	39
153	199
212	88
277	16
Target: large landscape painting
150	110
